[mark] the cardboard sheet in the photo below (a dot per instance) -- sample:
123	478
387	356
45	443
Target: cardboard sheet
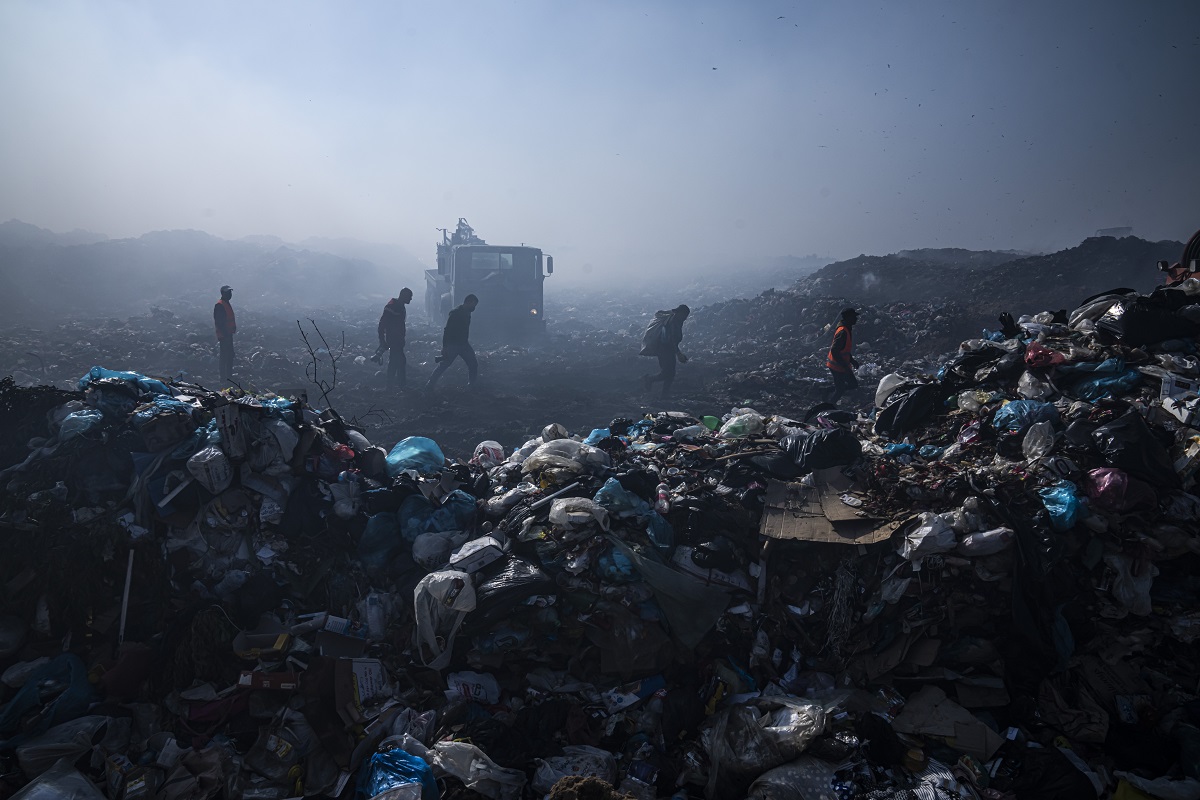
817	514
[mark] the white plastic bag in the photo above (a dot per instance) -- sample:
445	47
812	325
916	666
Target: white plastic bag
1131	587
481	687
575	760
577	512
440	603
932	534
1038	441
488	454
888	384
432	549
1031	388
986	543
740	425
477	772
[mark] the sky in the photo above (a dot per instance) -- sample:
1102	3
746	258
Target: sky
622	137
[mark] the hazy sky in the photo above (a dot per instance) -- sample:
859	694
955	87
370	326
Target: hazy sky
612	134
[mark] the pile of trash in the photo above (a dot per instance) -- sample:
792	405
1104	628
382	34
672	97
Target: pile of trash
983	588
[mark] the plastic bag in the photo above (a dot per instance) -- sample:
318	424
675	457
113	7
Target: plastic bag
575	760
380	540
1131	588
1020	414
211	468
416	453
742	425
806	777
78	423
1128	444
567	454
1039	441
835	447
476	771
488	454
60	782
931	534
750	738
71	740
395	772
26	715
133	379
479	687
1111	489
432	550
985	543
619	501
1031	388
578	512
888	384
1062	504
417	515
440	603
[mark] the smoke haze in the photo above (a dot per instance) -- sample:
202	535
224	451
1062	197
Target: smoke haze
616	136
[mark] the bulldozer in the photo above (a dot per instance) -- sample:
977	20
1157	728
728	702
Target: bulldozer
507	279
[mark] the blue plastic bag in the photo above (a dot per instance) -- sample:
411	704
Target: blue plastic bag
932	452
143	383
1020	414
78	423
393	770
417	515
1062	504
901	449
380	540
619	501
661	534
596	435
415	452
25	716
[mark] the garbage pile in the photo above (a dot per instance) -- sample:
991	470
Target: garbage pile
983	588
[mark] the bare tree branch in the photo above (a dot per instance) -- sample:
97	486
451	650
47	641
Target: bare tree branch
313	370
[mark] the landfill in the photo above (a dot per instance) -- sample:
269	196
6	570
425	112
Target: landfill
978	581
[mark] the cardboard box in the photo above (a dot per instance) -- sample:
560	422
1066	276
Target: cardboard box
1184	408
126	780
476	554
360	686
1175	385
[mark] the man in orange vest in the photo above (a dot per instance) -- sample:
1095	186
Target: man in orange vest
840	359
226	325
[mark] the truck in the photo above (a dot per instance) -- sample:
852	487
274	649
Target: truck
507	279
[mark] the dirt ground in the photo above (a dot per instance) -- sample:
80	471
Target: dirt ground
582	374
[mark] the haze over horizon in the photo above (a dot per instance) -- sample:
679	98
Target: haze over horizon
614	136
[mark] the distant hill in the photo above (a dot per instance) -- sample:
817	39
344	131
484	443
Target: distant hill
15	233
990	279
47	275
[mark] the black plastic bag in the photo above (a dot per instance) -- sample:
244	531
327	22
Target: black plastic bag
1146	320
1127	443
912	410
836	447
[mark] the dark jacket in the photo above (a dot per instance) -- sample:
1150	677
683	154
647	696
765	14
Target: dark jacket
458	327
391	323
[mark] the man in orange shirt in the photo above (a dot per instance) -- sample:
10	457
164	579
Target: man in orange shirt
840	359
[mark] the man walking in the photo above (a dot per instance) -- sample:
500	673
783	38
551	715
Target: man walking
456	342
226	326
392	331
662	339
840	360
